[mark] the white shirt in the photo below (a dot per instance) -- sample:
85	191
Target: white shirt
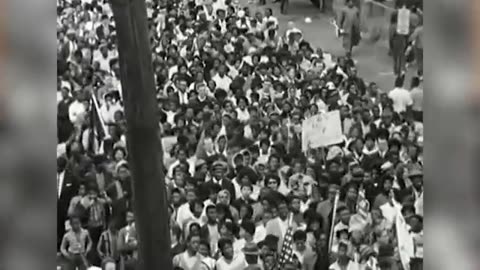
351	266
260	233
222	82
76	112
417	97
238	263
401	99
107	114
103	61
243	115
184	214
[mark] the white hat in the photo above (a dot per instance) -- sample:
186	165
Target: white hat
252	50
387	165
241	14
330	86
334	152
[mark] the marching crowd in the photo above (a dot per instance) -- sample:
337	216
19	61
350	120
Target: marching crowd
232	92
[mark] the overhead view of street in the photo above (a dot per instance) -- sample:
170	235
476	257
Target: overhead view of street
240	134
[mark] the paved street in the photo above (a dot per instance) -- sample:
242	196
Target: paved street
373	62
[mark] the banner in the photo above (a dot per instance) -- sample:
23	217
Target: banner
405	241
321	130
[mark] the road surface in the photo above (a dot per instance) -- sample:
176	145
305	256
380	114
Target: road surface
373	61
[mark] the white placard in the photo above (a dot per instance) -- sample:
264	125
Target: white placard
322	130
403	21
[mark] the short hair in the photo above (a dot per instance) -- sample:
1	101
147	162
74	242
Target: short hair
191	235
399	81
209	207
300	235
248	226
274	177
223	242
195	202
205	243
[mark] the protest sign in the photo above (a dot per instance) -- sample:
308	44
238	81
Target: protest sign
322	130
403	21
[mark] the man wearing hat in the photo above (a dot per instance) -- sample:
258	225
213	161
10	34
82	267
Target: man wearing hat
219	168
386	260
251	252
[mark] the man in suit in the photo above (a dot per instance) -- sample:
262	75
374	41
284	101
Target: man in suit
66	190
219	169
127	243
105	29
70	46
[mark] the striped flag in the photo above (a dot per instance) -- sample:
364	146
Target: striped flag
98	130
286	255
363	206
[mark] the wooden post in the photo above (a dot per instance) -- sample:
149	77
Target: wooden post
144	146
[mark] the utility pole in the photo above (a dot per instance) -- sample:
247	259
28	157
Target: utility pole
144	146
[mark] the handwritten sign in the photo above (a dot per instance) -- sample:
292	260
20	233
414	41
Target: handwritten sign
403	21
321	130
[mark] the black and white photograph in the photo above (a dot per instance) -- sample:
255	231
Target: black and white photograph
240	134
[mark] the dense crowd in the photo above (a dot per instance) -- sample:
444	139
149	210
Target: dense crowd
232	92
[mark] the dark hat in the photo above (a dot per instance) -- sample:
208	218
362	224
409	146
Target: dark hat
420	218
385	251
415	172
250	249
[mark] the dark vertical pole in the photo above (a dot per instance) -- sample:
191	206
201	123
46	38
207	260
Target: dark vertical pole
144	147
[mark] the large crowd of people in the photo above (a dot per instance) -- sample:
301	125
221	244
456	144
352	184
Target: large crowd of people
232	93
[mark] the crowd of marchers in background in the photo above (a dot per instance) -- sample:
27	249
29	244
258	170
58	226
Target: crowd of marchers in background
232	93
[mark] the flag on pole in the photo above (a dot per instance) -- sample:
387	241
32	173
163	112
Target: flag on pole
286	254
98	130
332	227
363	206
405	241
